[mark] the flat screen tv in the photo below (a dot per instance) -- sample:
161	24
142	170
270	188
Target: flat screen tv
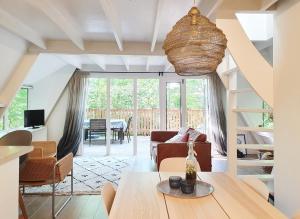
34	118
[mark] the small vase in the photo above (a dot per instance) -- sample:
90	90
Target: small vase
191	164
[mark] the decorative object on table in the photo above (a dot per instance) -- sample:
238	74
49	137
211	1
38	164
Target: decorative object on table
175	182
195	46
187	186
191	164
201	189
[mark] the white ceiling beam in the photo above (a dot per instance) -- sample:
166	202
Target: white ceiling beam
113	18
126	62
168	66
159	11
17	27
98	47
60	16
98	60
71	59
209	7
148	63
266	4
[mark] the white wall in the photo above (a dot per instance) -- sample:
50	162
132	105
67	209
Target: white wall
12	49
287	106
46	91
56	121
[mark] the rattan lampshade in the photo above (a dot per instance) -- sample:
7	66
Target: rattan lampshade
195	46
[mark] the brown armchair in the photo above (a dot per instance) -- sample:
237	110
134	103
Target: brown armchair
40	171
43	149
161	150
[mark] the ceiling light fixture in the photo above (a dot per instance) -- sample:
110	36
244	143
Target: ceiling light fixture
195	46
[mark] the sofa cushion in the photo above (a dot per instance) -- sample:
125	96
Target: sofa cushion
196	136
179	138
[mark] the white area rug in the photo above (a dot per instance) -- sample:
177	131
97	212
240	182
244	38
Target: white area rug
90	173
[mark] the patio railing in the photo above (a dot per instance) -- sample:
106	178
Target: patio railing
148	119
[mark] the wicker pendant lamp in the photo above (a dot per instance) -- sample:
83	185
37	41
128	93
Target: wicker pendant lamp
195	46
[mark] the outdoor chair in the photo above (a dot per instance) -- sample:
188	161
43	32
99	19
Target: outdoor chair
127	130
97	126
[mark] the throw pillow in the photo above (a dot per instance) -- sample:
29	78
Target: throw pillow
179	138
196	136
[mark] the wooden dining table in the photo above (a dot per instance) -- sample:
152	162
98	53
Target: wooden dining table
137	197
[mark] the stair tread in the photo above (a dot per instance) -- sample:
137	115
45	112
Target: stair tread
252	110
246	90
254	129
230	71
263	177
256	146
255	162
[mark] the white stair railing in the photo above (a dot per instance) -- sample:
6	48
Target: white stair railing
233	129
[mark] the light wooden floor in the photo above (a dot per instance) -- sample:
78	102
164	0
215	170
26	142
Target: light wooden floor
80	207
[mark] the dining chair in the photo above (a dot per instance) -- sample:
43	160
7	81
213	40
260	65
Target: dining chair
97	126
18	138
175	164
108	195
258	186
127	130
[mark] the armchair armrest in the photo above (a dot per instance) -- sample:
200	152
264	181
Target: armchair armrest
64	166
162	136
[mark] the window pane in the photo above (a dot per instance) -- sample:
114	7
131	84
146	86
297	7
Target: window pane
148	106
16	109
97	99
173	106
1	123
196	103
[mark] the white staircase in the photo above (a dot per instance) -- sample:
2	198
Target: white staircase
234	129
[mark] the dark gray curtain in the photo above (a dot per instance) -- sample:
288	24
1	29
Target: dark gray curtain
216	113
77	90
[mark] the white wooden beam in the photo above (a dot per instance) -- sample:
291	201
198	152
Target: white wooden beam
74	60
266	4
209	7
97	47
61	17
113	18
168	66
214	8
148	63
159	11
126	62
16	80
17	27
98	60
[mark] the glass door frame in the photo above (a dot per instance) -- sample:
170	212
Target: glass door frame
163	100
163	80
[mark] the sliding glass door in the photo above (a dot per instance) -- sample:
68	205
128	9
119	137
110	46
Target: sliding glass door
133	107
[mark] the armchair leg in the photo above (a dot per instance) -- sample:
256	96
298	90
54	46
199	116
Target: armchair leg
22	206
54	214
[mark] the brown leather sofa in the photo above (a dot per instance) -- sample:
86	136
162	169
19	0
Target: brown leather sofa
160	150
